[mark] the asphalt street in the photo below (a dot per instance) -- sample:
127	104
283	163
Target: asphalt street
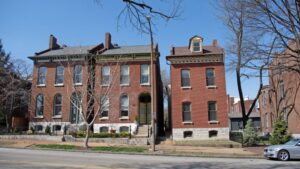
43	159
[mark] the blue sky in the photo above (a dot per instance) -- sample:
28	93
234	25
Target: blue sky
27	24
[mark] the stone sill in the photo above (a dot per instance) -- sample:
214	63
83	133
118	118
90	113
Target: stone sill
59	85
103	118
56	117
186	87
41	85
124	85
39	117
187	123
211	87
124	118
145	84
213	122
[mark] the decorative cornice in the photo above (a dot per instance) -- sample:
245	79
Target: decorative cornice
196	59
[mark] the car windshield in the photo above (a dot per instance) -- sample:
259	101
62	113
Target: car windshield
292	142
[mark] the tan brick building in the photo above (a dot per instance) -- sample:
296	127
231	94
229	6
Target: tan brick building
198	91
281	99
118	75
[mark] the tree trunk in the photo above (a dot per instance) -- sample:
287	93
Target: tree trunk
87	136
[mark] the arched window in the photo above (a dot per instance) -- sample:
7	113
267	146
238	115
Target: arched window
57	105
104	129
76	107
39	110
124	129
124	104
59	77
42	75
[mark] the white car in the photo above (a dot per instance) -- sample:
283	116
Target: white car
284	152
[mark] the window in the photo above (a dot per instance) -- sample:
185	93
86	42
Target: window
104	106
38	128
124	106
212	111
124	79
187	134
124	129
42	76
57	105
196	46
56	127
77	74
266	121
76	108
185	78
186	109
105	75
59	78
281	87
145	74
103	129
210	77
39	111
212	133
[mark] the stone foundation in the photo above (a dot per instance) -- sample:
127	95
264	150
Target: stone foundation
115	126
200	133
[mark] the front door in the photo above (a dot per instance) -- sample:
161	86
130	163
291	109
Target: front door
145	113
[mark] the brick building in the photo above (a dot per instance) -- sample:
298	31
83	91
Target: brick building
235	113
198	91
281	99
118	77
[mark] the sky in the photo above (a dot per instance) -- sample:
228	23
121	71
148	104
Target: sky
26	26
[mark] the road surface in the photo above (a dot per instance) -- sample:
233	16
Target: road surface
36	159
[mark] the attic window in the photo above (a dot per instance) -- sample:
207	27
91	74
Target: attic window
196	46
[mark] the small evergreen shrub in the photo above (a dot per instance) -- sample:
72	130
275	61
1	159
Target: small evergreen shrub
48	130
280	134
250	137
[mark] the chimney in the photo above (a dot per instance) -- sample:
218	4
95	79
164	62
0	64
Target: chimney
53	43
214	42
172	50
107	44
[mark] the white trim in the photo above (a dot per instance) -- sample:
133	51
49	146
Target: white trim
124	117
186	87
78	84
59	85
211	87
41	85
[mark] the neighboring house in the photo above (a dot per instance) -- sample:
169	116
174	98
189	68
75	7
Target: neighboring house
266	112
198	91
235	114
282	96
118	75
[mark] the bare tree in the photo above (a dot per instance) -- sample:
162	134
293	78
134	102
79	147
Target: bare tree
248	60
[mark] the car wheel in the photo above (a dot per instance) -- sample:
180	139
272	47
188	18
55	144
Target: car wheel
283	155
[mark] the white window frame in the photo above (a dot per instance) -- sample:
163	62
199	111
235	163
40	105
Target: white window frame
141	74
104	83
122	74
56	75
121	107
77	74
40	75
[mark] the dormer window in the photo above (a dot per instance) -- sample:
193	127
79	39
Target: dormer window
196	46
195	43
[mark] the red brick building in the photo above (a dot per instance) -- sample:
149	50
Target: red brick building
119	76
281	99
198	91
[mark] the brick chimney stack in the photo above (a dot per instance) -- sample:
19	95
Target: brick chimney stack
53	43
172	50
214	42
107	44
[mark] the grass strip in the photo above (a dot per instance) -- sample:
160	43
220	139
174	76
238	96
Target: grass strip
120	149
57	146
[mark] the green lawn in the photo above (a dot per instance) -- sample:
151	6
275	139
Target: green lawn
213	143
57	146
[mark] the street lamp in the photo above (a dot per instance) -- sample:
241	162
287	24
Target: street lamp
152	84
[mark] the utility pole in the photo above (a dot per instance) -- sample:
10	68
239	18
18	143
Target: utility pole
152	85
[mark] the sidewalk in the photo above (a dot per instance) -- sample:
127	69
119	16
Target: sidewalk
161	149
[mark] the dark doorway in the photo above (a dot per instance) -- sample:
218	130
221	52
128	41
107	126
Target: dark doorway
145	108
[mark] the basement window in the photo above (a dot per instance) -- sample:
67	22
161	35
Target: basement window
56	127
187	134
38	128
212	133
124	129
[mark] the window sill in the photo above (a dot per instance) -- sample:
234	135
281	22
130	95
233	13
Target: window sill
124	118
78	84
211	87
59	85
103	118
186	87
213	122
39	117
145	84
106	85
57	117
124	85
187	122
41	85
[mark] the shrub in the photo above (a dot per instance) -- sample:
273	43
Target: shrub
48	130
101	135
280	134
250	137
82	127
124	134
80	134
236	136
